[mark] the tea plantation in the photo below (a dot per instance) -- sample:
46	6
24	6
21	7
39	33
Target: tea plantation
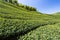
21	22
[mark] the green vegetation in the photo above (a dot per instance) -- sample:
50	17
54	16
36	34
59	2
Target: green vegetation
48	32
21	22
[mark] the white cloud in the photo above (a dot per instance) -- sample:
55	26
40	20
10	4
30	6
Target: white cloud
29	1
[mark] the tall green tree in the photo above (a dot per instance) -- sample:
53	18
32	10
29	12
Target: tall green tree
10	1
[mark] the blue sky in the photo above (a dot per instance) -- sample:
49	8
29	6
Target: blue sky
44	6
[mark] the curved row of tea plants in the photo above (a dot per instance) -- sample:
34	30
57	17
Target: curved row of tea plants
15	21
15	27
48	32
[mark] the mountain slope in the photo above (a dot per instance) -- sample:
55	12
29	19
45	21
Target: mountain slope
48	32
16	21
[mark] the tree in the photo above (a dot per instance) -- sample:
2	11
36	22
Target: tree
6	0
10	1
16	3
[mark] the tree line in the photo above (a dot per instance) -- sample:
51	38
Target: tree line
23	6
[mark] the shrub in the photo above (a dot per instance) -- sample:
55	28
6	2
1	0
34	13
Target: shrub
10	1
15	2
5	0
32	9
27	7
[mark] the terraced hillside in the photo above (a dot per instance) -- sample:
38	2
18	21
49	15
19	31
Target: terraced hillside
17	21
48	32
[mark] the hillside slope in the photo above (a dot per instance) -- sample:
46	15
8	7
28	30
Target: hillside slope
48	32
16	21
